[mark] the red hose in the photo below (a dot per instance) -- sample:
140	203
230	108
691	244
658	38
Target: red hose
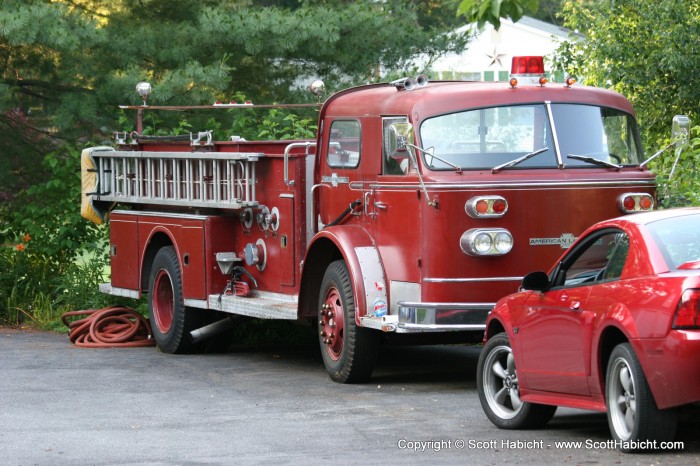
109	328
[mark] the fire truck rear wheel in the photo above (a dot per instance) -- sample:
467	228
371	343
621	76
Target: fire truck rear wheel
349	352
171	320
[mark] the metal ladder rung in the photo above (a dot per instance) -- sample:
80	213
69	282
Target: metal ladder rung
220	180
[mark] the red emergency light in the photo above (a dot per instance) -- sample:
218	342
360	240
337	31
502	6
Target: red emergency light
529	68
527	65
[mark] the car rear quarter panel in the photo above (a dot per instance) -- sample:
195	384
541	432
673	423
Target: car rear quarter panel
669	358
671	367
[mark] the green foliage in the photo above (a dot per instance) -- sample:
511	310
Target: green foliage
44	246
48	211
246	123
679	184
491	11
648	51
281	125
68	63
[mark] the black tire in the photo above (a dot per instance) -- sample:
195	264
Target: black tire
632	413
171	321
499	392
349	352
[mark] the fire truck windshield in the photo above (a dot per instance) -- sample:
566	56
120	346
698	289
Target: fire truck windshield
497	137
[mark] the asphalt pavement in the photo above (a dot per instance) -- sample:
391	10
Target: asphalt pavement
63	405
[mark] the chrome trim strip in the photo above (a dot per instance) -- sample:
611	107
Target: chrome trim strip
145	213
513	185
472	280
555	139
444	328
391	324
439	317
447	306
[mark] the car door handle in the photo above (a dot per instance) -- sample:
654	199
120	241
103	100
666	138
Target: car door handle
380	205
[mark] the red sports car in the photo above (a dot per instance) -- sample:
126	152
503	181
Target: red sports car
614	327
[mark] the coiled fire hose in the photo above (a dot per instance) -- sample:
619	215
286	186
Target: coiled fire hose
110	327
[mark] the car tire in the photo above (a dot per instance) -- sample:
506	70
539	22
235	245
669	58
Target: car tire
349	352
499	392
633	417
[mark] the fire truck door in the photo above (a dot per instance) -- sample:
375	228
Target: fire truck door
339	168
394	220
394	217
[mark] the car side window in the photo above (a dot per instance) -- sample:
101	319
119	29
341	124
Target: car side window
600	259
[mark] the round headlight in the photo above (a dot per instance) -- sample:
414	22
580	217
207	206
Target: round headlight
486	242
503	242
482	243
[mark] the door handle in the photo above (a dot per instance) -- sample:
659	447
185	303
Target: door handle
380	205
365	206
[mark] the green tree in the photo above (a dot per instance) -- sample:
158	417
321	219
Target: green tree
491	11
648	51
68	63
550	11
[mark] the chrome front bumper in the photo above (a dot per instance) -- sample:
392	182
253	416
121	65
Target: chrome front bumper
414	317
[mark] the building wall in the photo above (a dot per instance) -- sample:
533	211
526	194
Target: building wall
488	56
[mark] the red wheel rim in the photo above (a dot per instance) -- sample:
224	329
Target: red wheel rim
163	301
332	323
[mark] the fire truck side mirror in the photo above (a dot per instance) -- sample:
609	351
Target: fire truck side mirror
401	135
680	138
401	141
680	130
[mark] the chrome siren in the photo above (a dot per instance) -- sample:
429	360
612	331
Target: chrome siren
408	84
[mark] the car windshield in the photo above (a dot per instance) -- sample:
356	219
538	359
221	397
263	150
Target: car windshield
489	137
678	239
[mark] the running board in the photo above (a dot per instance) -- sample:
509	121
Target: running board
261	305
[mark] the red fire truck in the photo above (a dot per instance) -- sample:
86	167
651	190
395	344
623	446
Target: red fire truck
416	207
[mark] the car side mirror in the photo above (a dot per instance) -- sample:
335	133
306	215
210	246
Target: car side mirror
536	281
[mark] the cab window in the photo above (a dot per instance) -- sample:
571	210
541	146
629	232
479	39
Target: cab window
344	144
395	160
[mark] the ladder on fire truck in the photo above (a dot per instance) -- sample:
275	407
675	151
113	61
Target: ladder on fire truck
188	179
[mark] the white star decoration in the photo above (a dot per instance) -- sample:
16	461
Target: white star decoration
495	57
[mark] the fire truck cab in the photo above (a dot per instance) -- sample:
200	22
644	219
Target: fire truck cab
418	205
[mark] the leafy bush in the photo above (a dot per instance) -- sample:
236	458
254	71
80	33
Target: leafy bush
679	185
250	124
52	260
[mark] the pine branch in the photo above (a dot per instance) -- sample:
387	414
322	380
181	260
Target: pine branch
25	83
